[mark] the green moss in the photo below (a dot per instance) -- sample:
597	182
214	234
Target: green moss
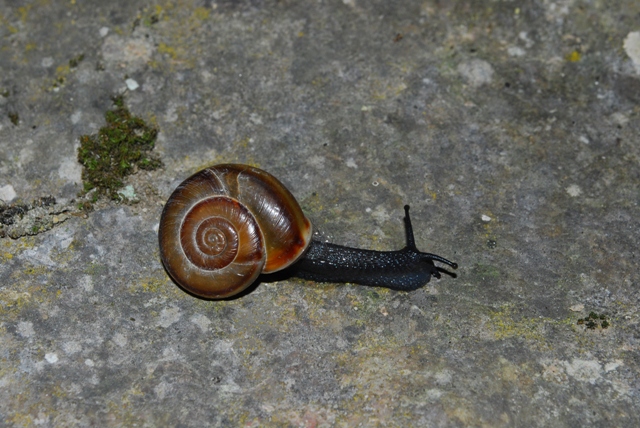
73	62
486	271
14	118
117	150
594	320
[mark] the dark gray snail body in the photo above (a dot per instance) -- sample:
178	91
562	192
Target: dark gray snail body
227	224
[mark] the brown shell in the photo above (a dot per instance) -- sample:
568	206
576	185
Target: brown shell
225	225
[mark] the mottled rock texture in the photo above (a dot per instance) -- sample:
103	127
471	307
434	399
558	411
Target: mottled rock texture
510	127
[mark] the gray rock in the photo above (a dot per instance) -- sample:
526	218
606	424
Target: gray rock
523	114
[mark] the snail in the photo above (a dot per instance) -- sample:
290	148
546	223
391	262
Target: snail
227	224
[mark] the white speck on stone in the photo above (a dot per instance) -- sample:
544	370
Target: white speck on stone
225	346
524	36
206	76
104	31
42	420
76	116
169	316
40	254
632	48
64	239
352	163
620	118
584	370
577	308
486	217
316	161
70	171
71	347
583	139
25	329
443	378
132	84
127	192
7	193
51	358
201	321
609	367
89	362
477	72
132	54
171	115
380	214
556	11
574	190
162	389
120	339
86	282
255	119
267	408
46	62
170	354
433	394
365	108
515	51
231	388
26	155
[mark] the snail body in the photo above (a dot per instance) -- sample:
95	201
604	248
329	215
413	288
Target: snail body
227	224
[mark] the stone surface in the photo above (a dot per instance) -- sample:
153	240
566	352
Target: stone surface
510	127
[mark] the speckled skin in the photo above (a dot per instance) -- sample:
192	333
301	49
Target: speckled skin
406	269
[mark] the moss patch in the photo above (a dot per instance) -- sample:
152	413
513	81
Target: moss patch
75	61
14	118
594	320
117	150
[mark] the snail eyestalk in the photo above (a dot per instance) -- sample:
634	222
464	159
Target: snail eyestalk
411	244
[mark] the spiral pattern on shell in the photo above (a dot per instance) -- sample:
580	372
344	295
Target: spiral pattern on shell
225	225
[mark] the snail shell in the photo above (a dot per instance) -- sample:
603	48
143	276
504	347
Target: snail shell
227	224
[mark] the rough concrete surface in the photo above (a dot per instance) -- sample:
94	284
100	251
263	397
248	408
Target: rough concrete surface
510	127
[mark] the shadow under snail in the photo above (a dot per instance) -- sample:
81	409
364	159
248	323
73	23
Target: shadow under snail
227	224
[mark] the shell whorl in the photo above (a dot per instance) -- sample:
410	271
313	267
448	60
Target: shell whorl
225	225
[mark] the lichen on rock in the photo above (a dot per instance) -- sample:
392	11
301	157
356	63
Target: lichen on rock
21	219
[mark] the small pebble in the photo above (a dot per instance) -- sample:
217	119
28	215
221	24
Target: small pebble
577	308
7	193
574	190
632	48
132	84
